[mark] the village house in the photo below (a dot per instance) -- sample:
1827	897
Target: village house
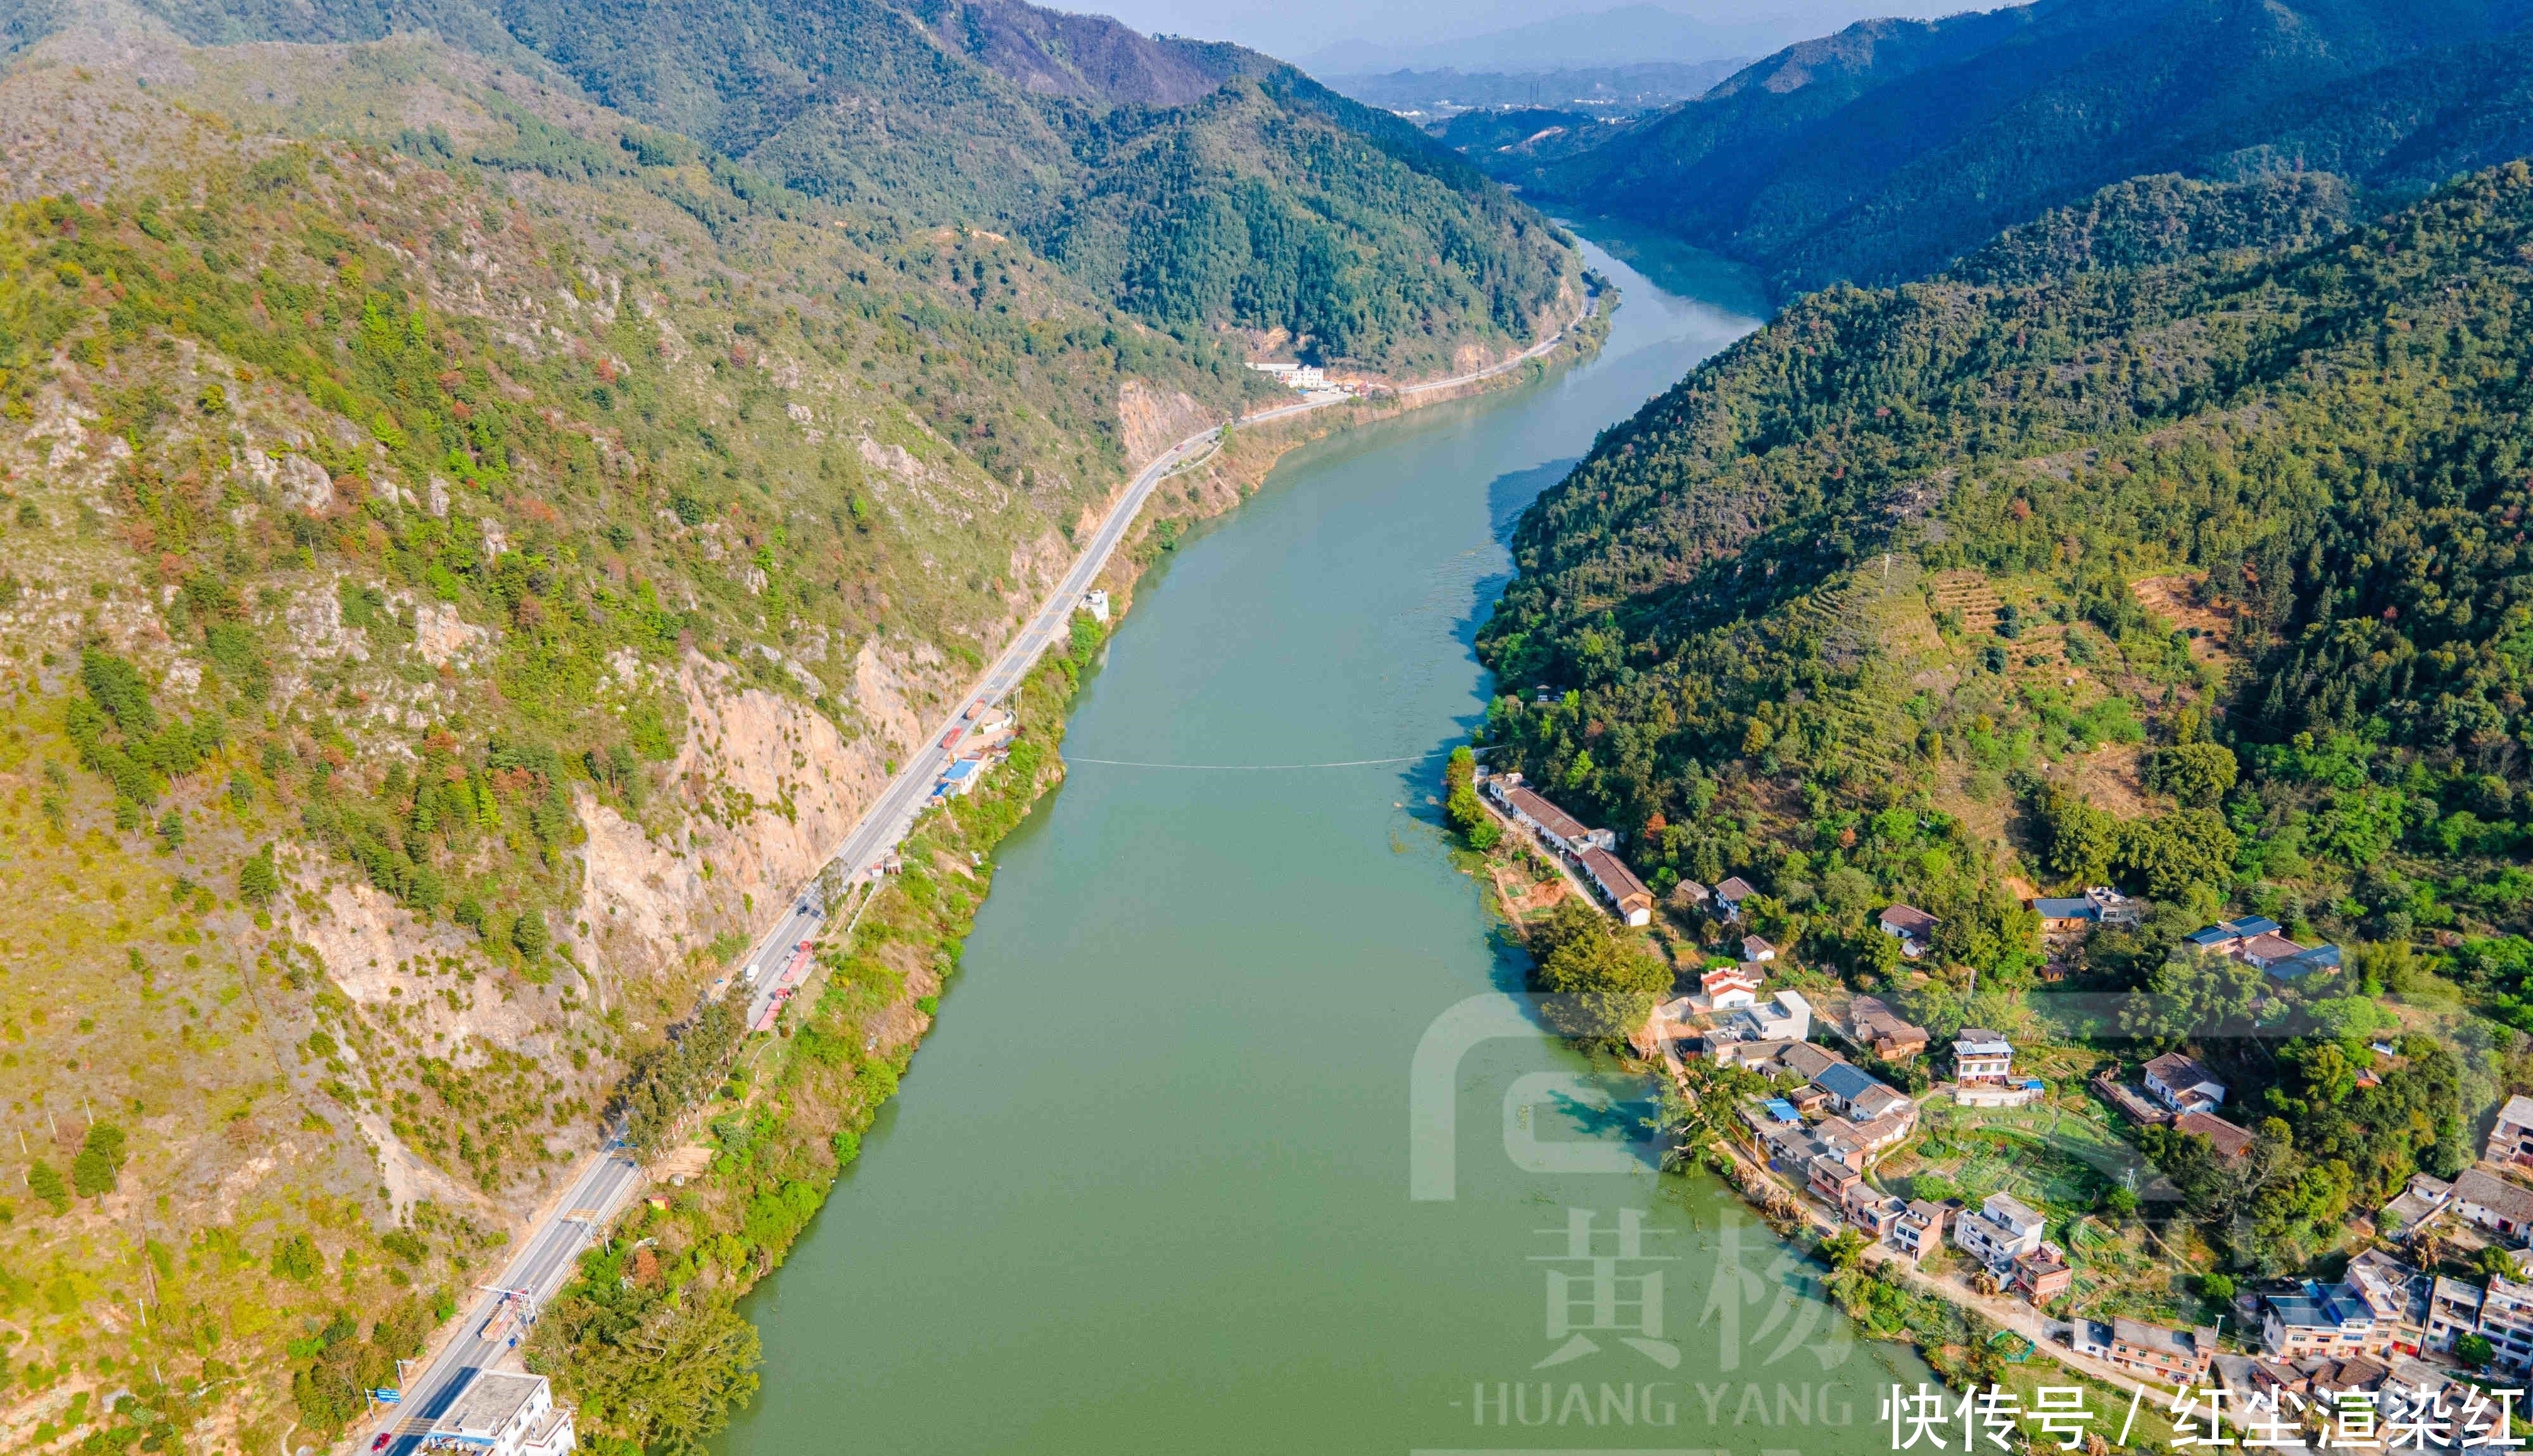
1870	1022
1855	1142
1870	1209
1981	1055
2400	1296
2319	1379
2258	942
1729	895
2494	1203
959	779
2126	1101
1756	951
2507	1323
2453	1311
2170	1357
2225	937
1688	894
1774	1057
505	1414
1730	987
2230	1142
2097	906
1844	1082
2044	1274
2181	1085
1983	1071
2001	1230
1831	1177
2088	1337
1560	830
1784	1016
1919	1231
2426	1197
2511	1142
1619	884
2319	1320
1914	928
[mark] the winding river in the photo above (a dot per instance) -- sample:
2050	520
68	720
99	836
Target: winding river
1147	1188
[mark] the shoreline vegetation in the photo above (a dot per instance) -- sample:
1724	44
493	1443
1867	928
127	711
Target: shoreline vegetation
1607	977
648	1339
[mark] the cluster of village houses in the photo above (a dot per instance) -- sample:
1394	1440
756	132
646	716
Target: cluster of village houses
2384	1325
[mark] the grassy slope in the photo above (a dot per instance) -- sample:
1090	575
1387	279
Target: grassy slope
679	411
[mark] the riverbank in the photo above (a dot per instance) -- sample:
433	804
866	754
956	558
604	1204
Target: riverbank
1152	1187
1973	1338
649	1340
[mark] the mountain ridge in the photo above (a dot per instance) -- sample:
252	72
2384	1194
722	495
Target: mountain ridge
1883	151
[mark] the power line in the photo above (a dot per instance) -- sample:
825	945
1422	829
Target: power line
1344	763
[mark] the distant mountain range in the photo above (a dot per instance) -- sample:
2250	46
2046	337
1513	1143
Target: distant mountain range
1885	149
1628	34
1608	89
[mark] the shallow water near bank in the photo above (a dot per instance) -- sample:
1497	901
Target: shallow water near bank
1146	1187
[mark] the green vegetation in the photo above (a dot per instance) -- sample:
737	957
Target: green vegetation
1884	150
1598	979
1461	809
1740	583
1195	185
646	1338
443	533
2190	570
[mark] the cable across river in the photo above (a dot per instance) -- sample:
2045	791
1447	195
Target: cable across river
1253	768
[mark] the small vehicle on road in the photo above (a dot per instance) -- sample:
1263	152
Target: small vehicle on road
385	1439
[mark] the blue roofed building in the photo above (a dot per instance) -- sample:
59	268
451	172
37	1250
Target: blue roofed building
2259	941
1844	1082
959	779
2305	963
2226	935
2317	1318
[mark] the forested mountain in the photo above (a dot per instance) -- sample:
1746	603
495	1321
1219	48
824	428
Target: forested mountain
2208	577
1198	185
1883	151
467	553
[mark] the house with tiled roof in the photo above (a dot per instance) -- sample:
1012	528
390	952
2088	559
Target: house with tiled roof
2230	1142
1729	895
1871	1022
1914	928
2499	1205
2181	1085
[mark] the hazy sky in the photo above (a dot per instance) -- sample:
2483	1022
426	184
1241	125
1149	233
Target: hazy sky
1296	28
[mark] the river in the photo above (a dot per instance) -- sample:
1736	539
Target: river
1146	1187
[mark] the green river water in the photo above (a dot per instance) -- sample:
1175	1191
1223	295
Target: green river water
1148	1187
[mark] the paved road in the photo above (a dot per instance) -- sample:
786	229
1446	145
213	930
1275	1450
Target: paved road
885	823
538	1268
542	1266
